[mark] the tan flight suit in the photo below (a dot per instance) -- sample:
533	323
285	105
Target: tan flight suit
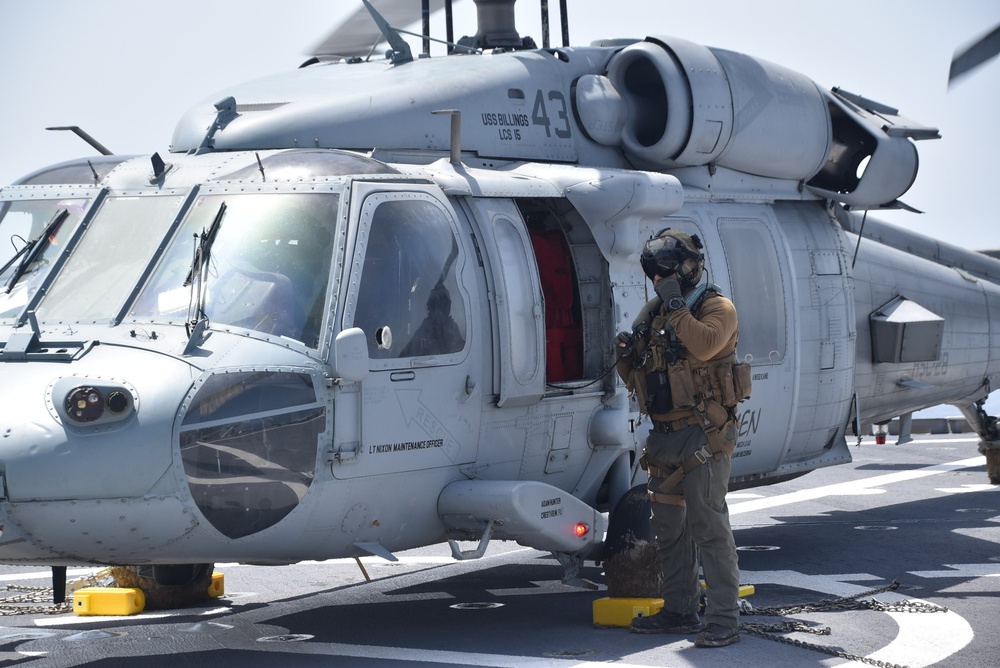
691	517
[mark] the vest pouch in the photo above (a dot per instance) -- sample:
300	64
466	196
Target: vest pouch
658	393
741	381
635	381
656	361
717	415
659	343
682	384
722	384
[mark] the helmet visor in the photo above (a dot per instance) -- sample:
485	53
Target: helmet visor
662	256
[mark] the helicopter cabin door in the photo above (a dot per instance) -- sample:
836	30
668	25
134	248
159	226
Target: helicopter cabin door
410	288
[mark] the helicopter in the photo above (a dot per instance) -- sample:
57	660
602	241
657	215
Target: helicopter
352	312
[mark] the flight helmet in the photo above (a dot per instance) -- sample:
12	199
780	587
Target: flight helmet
672	252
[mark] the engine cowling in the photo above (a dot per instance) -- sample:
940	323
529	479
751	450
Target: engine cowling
669	103
690	105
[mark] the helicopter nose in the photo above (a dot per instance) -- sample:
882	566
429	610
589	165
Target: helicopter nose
73	431
27	432
86	455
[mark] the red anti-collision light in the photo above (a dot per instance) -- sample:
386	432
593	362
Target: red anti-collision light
581	530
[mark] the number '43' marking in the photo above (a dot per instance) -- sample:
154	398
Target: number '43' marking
540	115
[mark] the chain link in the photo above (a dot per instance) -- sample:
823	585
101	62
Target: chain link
787	627
827	605
38	600
35	601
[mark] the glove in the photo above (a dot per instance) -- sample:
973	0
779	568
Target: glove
624	347
669	289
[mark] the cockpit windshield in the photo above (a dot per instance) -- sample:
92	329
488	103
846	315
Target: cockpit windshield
110	258
267	270
33	233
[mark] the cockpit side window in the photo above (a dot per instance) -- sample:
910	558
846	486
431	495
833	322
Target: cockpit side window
269	264
409	303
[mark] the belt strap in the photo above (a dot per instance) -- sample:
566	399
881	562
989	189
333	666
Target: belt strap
717	445
692	462
675	425
667	499
658	471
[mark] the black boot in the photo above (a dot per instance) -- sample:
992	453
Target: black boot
666	622
717	635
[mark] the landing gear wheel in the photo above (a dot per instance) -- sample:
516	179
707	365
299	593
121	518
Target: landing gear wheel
631	564
167	587
993	465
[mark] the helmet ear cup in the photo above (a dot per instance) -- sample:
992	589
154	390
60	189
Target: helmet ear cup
689	272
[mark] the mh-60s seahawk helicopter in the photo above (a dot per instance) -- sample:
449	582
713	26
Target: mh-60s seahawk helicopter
368	305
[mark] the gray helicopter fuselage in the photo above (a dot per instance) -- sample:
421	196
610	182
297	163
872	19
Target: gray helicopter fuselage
271	347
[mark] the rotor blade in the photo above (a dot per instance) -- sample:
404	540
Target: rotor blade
979	52
359	32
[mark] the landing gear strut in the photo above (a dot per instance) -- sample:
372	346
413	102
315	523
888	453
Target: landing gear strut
989	434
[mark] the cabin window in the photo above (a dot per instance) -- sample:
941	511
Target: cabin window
758	293
514	265
248	445
269	264
409	303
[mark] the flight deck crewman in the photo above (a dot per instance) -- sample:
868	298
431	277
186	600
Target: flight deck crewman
680	360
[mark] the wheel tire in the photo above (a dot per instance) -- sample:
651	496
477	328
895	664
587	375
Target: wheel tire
167	587
993	465
631	564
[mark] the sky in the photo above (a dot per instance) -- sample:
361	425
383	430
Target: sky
126	71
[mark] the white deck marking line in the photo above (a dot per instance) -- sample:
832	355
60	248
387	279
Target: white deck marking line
852	487
410	655
963	571
71	574
922	640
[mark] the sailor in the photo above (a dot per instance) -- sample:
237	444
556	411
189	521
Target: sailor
438	333
680	361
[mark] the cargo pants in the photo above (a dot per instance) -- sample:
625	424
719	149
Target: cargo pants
700	527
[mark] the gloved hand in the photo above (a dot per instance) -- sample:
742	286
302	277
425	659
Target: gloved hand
624	347
667	289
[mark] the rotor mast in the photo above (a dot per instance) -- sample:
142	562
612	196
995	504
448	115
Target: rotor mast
495	27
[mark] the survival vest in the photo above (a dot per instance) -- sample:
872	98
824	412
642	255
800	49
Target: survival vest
664	377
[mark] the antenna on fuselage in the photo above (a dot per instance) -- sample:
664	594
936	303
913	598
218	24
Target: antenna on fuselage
400	49
456	134
79	132
563	19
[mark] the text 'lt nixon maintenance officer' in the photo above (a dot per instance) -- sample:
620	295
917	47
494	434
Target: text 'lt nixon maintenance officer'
680	361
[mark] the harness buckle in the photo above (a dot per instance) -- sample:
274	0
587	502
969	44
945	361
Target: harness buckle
703	455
